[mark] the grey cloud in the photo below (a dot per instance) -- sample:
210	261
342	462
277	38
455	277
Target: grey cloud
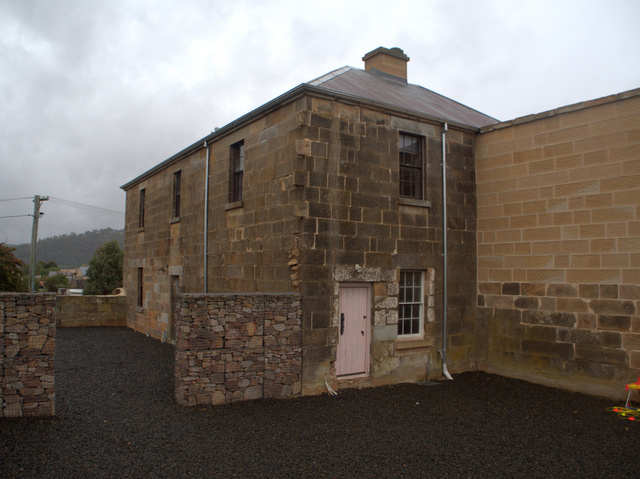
95	93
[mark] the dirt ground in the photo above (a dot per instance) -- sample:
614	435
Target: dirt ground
116	417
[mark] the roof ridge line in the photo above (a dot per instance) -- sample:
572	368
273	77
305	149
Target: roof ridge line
330	75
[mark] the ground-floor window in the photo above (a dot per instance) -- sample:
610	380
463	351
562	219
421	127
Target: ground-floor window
410	304
140	288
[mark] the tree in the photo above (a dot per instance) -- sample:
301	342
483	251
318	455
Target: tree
52	283
43	268
105	269
11	278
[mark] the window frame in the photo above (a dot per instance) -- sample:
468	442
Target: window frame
176	195
412	187
405	306
236	171
141	207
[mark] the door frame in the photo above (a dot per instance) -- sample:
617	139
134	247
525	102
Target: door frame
367	331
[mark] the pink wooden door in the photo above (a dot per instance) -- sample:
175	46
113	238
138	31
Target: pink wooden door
352	356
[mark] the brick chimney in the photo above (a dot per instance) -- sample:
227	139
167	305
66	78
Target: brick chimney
390	61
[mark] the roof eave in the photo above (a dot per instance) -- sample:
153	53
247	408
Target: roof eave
391	108
220	132
284	99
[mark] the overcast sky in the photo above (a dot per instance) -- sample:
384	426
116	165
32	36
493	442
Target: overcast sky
94	93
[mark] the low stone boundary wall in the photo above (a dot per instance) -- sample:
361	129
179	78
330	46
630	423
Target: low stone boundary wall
81	311
27	349
237	347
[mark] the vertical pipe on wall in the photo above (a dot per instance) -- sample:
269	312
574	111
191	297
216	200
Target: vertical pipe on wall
443	351
206	218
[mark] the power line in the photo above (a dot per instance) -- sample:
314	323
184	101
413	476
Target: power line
72	204
14	199
82	206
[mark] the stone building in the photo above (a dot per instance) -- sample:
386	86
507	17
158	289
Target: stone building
559	245
334	191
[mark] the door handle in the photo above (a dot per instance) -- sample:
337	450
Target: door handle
341	324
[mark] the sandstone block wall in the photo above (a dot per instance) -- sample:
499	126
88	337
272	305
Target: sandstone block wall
356	228
80	311
559	244
249	241
161	248
27	350
320	207
237	347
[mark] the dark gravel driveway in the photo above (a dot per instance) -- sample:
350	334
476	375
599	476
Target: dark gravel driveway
116	417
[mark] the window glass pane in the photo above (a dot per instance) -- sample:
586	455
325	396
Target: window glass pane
238	158
408	279
237	171
176	194
411	165
142	206
140	288
409	295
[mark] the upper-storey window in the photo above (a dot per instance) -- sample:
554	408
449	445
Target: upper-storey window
141	210
411	164
237	171
175	206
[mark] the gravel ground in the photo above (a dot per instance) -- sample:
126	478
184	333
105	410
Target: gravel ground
116	417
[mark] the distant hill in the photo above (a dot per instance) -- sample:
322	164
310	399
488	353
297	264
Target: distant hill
72	250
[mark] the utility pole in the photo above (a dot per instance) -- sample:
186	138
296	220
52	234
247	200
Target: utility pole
34	239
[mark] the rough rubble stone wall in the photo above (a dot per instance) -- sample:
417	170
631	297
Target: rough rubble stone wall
237	347
80	311
559	245
27	347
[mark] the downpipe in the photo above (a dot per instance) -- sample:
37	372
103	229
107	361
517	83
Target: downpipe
443	351
206	220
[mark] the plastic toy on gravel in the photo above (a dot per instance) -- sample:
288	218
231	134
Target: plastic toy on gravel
628	412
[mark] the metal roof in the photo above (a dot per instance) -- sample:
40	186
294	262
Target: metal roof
384	88
374	88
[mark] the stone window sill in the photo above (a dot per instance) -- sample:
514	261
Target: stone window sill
402	344
141	229
175	220
414	202
234	205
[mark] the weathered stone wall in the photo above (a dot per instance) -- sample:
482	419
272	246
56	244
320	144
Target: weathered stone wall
164	246
249	241
356	228
320	208
237	347
80	311
27	349
559	245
